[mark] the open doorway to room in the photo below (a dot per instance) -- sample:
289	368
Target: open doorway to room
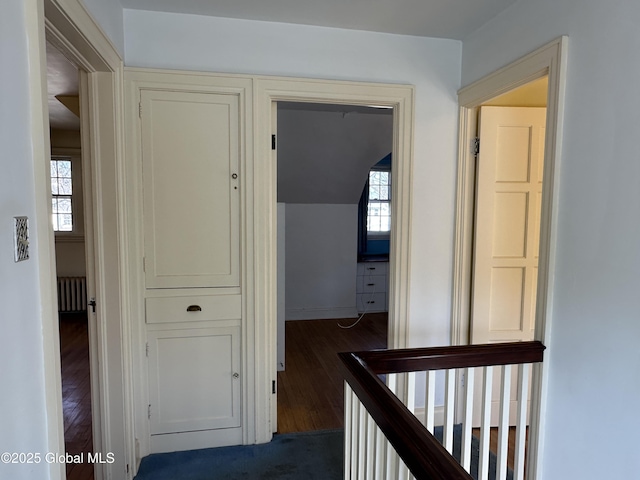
68	221
521	213
334	229
509	171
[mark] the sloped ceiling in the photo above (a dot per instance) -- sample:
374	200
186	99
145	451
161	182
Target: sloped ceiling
326	151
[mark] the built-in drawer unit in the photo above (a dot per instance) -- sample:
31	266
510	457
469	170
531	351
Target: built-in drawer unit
197	308
372	287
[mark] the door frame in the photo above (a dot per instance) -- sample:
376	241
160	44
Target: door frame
549	60
71	29
273	89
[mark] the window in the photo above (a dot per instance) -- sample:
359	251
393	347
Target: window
379	206
61	192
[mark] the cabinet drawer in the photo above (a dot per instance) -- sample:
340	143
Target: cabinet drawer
376	302
371	283
193	308
372	268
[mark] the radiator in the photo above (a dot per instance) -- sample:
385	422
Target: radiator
72	294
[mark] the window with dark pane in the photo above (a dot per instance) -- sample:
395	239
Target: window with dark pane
61	193
379	207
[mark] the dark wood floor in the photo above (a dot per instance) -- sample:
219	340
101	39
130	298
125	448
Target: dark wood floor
76	392
310	390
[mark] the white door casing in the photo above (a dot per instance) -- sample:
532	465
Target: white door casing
549	60
273	89
73	31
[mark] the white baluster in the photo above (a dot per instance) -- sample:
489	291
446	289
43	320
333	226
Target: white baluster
449	409
348	401
371	447
503	427
381	455
485	425
362	443
430	399
410	378
524	371
467	422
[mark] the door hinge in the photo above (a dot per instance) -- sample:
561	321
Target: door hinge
147	349
476	147
144	264
149	412
140	109
273	387
273	142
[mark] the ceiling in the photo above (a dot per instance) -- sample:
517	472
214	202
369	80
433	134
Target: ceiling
453	19
62	81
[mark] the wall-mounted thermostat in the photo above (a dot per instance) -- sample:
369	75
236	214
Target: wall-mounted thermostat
21	237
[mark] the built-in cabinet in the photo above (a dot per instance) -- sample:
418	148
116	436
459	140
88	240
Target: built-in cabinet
372	287
190	145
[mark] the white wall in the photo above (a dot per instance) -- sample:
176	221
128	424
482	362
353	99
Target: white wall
594	359
321	262
193	42
108	14
23	419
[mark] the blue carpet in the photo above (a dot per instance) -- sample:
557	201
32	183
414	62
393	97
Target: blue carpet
312	455
294	456
475	452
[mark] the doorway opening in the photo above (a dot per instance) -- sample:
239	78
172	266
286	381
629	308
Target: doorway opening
334	229
548	62
69	223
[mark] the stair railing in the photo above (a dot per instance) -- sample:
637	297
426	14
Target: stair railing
385	440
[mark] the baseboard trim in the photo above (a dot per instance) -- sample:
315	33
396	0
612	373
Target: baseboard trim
320	313
438	414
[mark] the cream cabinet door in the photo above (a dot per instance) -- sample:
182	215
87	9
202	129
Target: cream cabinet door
194	382
190	160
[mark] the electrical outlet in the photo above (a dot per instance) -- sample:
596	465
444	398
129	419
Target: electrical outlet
21	238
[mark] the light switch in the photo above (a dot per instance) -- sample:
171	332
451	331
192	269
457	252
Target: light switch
21	237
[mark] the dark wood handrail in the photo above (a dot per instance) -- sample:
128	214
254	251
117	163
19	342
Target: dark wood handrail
459	356
419	449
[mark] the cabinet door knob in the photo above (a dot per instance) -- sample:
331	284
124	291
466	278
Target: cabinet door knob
194	308
236	375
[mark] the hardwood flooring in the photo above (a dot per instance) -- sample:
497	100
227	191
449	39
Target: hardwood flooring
311	389
493	444
76	392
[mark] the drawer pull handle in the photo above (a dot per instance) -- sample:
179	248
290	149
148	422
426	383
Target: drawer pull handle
371	284
194	308
371	268
371	301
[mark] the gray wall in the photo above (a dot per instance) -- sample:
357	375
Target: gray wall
324	156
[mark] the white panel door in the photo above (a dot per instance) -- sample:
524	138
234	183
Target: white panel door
194	380
507	227
190	158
